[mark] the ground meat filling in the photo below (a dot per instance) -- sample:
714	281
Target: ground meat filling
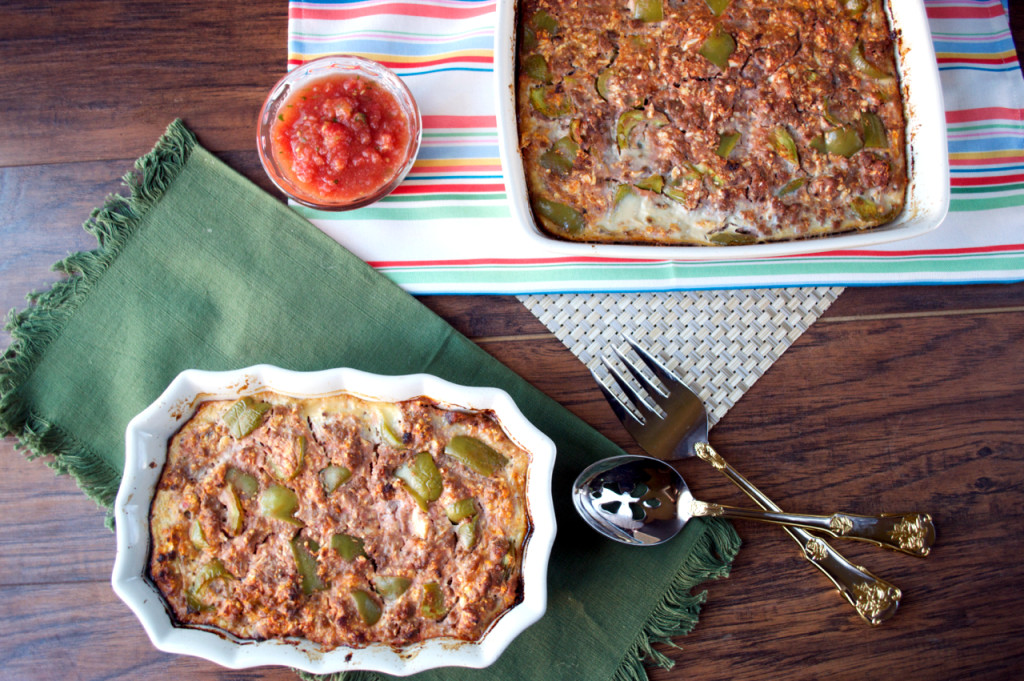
338	520
709	122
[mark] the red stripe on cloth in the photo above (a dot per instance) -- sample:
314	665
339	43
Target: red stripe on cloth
443	188
977	60
988	179
565	260
403	8
460	121
985	114
471	262
978	250
979	11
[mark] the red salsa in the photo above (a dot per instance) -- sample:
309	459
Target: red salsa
341	137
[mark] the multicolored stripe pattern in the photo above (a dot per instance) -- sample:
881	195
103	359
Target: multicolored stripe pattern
448	227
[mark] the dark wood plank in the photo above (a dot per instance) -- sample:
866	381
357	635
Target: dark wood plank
118	72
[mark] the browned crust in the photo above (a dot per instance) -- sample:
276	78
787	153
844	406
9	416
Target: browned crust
260	594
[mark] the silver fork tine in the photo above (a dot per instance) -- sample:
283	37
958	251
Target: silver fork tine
656	367
622	411
653	389
645	409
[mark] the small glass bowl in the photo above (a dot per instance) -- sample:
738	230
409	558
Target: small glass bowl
315	70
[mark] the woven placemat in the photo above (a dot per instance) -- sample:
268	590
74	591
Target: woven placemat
719	342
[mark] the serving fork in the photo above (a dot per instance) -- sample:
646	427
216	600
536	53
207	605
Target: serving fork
682	432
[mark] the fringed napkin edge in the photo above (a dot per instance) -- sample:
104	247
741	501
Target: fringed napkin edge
36	327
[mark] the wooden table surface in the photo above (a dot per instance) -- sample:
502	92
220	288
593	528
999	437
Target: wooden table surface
903	398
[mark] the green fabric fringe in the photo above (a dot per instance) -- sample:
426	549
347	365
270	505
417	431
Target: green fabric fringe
35	328
676	615
678	612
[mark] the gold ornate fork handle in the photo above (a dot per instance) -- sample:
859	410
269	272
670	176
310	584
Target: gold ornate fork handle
911	533
874	599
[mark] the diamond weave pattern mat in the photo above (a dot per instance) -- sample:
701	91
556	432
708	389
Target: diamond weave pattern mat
719	342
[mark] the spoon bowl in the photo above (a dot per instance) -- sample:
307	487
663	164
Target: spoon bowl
632	499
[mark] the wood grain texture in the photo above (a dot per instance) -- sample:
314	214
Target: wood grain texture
899	398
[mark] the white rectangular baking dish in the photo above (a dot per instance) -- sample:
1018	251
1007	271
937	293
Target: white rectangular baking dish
928	166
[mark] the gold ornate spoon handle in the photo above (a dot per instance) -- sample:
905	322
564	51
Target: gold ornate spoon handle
874	599
911	533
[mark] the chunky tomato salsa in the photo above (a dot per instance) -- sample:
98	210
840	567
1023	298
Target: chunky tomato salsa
341	137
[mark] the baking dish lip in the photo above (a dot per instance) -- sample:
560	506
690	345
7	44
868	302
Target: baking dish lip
146	438
928	191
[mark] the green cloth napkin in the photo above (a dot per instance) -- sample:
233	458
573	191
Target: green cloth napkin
198	268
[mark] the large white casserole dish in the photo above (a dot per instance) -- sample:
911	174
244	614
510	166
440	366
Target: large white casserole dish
147	437
928	166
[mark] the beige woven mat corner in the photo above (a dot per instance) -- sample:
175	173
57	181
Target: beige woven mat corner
719	342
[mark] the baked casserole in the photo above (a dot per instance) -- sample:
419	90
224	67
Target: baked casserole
709	122
340	520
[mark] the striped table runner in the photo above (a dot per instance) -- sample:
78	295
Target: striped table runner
448	228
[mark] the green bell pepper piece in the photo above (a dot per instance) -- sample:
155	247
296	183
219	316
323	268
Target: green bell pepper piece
347	546
244	416
791	186
726	143
204	575
732	239
195	534
475	454
560	158
244	483
842	141
466	532
421	479
873	128
548	102
305	563
369	609
391	588
648	10
460	510
785	146
861	63
718	47
621	192
628	120
536	67
561	216
279	502
717	6
542	21
432	605
235	514
333	477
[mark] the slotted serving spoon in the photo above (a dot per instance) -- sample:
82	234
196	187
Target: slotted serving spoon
644	501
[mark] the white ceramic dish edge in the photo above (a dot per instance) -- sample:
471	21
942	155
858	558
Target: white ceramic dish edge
927	194
146	440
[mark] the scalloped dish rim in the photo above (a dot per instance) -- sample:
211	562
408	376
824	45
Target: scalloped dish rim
146	438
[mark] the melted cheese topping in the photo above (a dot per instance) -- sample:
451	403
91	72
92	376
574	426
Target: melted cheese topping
225	556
